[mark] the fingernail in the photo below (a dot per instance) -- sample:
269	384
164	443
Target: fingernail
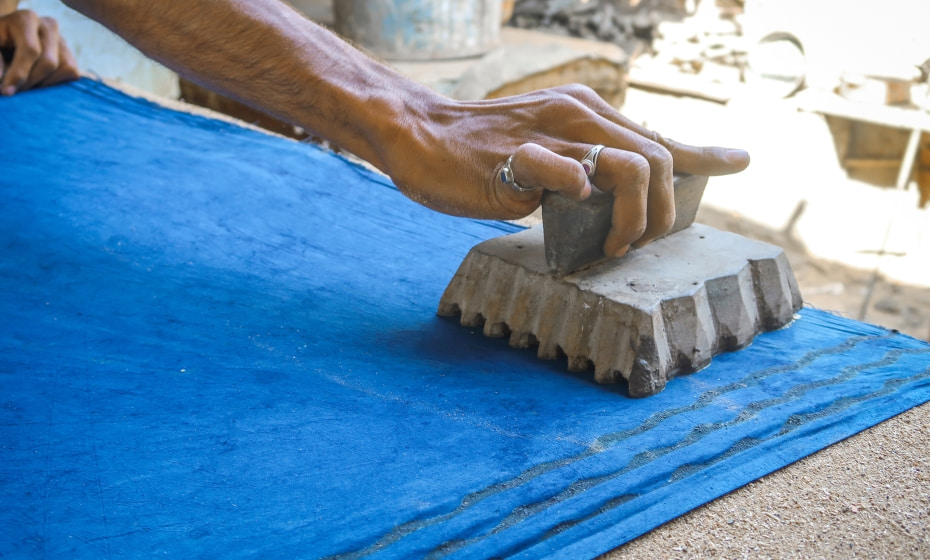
737	156
9	90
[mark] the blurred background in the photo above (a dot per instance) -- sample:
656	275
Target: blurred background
831	98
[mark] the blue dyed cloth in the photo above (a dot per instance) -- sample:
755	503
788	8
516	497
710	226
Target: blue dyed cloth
217	343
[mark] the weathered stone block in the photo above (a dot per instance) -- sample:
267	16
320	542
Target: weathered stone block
659	311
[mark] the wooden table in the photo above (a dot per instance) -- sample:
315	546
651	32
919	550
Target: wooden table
912	119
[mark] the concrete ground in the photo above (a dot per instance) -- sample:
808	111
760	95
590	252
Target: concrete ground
858	250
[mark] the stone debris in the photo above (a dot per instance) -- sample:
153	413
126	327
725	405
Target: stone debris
665	38
527	61
659	311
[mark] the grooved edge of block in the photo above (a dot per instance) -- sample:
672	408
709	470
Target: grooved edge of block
660	311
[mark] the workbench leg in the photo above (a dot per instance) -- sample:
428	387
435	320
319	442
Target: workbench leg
907	162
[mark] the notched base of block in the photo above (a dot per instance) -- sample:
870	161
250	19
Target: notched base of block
657	312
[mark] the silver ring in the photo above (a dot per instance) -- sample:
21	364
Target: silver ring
506	177
589	161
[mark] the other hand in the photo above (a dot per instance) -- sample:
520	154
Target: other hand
40	56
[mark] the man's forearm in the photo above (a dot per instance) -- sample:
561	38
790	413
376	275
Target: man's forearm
265	54
448	155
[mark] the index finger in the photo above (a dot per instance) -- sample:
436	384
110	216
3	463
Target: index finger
686	159
48	60
707	160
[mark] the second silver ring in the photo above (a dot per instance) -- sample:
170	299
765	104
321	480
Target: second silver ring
589	161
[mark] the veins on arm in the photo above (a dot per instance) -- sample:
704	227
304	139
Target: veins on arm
265	54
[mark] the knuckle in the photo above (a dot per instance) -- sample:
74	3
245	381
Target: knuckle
50	24
24	16
713	154
658	156
523	151
637	168
654	136
577	91
564	102
28	51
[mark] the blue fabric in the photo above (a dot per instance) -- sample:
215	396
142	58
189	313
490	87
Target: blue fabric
216	343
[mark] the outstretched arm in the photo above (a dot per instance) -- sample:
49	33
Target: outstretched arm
267	55
443	153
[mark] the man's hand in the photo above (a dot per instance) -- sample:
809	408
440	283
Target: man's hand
452	158
35	54
443	153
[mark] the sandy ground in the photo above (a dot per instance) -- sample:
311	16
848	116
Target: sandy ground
865	497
